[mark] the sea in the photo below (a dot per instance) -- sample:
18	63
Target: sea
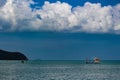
59	70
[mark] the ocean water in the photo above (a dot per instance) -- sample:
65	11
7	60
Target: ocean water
59	70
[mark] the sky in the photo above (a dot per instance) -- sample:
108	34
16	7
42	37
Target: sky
61	30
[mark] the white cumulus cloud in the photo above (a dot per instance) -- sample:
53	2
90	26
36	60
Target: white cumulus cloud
17	15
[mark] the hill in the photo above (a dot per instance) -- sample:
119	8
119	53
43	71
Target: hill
5	55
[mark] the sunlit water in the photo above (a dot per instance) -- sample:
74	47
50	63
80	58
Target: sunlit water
59	70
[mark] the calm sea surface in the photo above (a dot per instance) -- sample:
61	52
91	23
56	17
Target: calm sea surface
59	70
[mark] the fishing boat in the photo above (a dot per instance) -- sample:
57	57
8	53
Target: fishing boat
94	61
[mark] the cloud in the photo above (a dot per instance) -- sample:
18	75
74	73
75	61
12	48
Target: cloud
17	15
116	17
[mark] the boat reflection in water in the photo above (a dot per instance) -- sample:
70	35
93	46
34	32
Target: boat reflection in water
94	61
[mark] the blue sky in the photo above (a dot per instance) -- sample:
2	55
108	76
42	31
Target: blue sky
66	46
55	39
81	2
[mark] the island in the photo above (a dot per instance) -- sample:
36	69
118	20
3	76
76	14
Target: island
6	55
